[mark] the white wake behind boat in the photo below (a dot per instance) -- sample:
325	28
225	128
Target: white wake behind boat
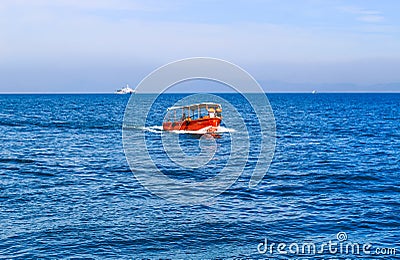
126	90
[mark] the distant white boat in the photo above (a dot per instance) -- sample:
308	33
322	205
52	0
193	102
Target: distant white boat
314	92
126	90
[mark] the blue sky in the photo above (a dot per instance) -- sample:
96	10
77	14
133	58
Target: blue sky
99	45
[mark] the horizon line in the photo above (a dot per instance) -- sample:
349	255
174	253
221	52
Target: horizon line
265	92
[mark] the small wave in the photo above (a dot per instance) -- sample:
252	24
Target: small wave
222	129
153	129
15	160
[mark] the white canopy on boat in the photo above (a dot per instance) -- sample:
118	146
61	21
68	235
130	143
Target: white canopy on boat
196	106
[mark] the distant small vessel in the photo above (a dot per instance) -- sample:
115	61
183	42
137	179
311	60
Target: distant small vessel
126	90
314	92
196	117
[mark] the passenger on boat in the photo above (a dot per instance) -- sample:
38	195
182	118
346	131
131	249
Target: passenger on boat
211	112
218	112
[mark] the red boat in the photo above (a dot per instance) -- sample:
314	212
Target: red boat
204	116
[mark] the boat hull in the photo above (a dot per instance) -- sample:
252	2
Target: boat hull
193	125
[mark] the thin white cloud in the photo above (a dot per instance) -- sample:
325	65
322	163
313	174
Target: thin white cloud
358	10
371	18
364	15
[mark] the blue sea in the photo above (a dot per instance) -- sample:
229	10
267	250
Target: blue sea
67	190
